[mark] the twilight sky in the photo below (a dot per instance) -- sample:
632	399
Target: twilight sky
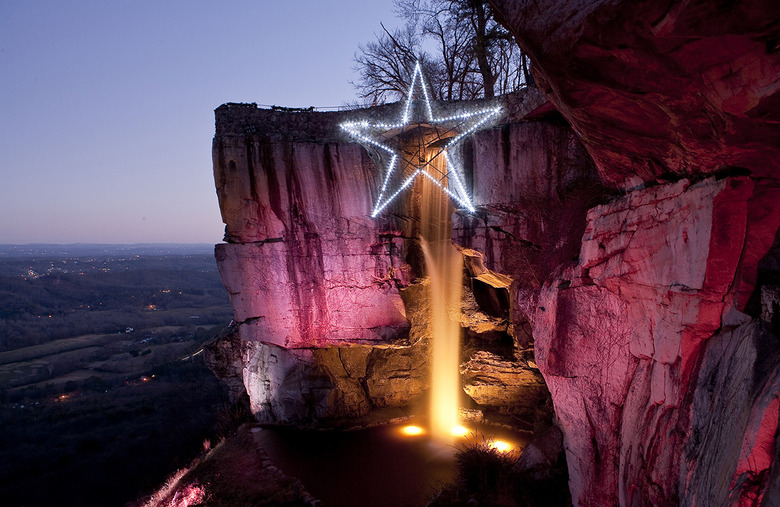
106	107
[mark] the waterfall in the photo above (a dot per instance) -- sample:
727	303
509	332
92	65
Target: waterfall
444	266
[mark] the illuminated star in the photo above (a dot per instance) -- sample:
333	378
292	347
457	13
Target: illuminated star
435	136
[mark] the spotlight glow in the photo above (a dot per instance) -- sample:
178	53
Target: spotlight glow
500	445
411	431
462	125
460	431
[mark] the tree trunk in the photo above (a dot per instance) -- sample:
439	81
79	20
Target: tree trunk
527	76
481	48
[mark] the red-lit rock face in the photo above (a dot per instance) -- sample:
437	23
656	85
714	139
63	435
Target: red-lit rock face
664	381
311	275
528	182
657	88
624	338
307	270
305	264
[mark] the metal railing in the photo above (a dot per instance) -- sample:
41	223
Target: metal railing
309	109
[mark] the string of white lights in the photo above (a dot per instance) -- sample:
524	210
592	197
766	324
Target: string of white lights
390	167
406	183
390	126
425	92
366	139
360	129
471	129
405	117
454	171
465	116
465	204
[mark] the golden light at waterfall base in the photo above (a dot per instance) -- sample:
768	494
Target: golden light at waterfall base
500	445
411	431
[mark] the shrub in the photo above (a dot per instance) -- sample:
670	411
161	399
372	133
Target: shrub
484	477
487	476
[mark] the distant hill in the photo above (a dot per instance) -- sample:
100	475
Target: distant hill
97	249
52	292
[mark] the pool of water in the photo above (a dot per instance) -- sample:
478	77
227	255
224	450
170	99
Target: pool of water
380	466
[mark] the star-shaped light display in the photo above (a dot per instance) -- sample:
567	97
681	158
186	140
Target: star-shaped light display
435	137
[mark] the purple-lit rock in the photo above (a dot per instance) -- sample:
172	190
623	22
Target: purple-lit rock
304	264
651	343
311	275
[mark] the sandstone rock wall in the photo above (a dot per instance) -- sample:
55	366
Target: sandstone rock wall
662	373
659	88
304	264
531	185
312	278
308	272
622	337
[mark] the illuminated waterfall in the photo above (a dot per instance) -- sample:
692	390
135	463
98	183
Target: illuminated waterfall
444	267
415	152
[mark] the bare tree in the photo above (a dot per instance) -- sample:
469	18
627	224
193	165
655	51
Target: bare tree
385	66
474	56
452	38
500	62
478	17
510	66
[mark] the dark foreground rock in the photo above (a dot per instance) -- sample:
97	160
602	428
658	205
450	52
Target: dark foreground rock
236	473
536	477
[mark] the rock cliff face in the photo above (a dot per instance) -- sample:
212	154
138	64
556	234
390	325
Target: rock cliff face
326	322
658	345
659	89
307	270
643	268
302	249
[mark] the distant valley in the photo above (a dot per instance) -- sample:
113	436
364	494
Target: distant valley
103	390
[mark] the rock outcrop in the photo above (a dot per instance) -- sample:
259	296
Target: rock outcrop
643	266
734	420
321	328
659	89
313	280
237	471
307	384
662	373
622	336
533	184
304	264
504	385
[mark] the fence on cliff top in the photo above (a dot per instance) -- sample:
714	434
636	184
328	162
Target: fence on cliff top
347	107
309	109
